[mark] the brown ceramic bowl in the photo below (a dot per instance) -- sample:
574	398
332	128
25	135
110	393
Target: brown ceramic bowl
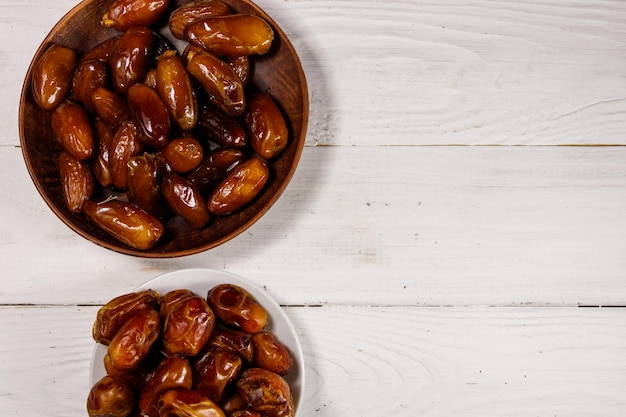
279	72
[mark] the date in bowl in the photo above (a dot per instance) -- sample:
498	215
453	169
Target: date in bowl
94	192
200	282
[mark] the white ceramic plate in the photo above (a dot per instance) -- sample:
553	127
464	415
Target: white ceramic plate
201	281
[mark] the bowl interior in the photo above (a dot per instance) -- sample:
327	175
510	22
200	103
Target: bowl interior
279	72
201	281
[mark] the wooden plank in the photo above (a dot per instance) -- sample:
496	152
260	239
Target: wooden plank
417	72
404	361
385	225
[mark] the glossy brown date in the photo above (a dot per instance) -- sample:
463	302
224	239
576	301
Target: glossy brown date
110	107
76	182
266	392
183	154
233	403
237	308
101	51
266	125
124	146
193	11
221	128
110	396
171	298
245	413
187	327
241	65
271	354
100	164
171	373
124	14
216	371
185	200
187	403
132	57
232	35
239	187
214	167
175	88
144	184
151	78
233	340
116	312
52	76
126	222
133	340
149	114
72	128
89	75
223	85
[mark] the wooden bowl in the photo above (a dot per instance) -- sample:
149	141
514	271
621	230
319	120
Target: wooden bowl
278	72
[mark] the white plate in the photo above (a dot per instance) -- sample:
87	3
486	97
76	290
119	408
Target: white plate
200	281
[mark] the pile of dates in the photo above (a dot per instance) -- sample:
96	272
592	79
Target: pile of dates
156	133
181	354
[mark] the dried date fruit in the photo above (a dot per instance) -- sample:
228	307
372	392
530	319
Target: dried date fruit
175	88
215	372
173	297
192	11
234	340
151	78
52	76
171	373
150	115
72	128
221	128
239	187
271	354
232	35
124	14
144	184
76	182
125	145
89	75
185	200
131	57
266	126
241	65
116	312
101	51
246	412
110	107
237	308
133	340
214	167
187	403
110	396
233	403
266	392
219	80
126	222
187	327
183	154
100	164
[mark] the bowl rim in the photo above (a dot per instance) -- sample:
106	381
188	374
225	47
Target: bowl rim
119	247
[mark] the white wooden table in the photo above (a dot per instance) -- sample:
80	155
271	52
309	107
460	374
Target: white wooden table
452	244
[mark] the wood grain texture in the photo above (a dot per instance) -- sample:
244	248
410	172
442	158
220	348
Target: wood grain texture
444	234
366	361
454	72
386	225
416	72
